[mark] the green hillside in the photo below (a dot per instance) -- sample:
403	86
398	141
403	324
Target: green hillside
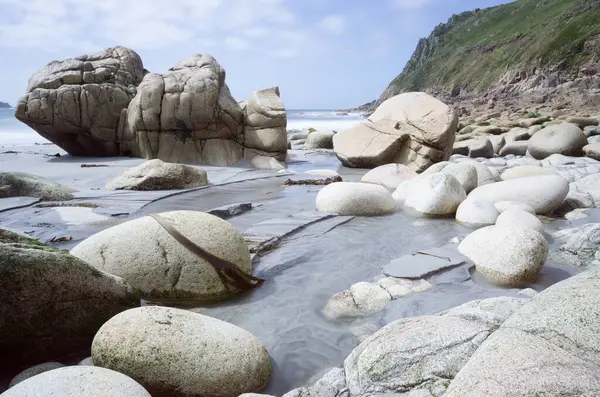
476	48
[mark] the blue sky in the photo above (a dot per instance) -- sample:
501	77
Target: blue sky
323	54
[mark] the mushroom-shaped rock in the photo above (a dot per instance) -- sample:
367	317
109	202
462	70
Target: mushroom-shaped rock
506	255
543	193
78	381
158	175
518	217
174	352
265	130
435	195
566	138
79	103
186	115
413	128
143	253
389	175
355	198
476	214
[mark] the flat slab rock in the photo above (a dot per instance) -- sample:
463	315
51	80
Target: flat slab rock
231	210
265	235
11	203
424	263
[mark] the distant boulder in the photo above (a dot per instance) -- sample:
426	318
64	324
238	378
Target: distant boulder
414	129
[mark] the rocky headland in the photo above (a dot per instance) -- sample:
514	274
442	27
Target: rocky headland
175	242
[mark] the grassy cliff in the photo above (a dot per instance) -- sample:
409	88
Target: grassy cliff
475	49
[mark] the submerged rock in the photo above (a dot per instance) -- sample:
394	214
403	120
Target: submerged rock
353	198
150	259
313	182
174	352
37	323
414	129
506	255
78	381
158	175
16	184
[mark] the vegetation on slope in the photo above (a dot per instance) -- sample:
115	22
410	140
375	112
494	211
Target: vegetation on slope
475	49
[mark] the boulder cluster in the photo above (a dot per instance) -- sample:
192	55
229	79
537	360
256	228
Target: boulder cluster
107	104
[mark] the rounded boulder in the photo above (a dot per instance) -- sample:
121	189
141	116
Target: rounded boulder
389	175
143	253
506	255
518	217
355	198
174	352
78	381
436	195
476	214
526	171
566	138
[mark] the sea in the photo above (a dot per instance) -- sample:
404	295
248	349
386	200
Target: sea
13	133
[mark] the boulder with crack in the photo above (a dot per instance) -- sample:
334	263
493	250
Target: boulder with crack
78	103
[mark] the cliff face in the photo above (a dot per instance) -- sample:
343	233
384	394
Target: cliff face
540	52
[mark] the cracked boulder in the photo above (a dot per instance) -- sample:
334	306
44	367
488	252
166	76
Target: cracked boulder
421	355
547	348
143	253
414	129
52	303
364	299
78	103
265	125
174	352
186	115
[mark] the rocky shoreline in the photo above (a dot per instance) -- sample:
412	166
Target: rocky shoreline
412	254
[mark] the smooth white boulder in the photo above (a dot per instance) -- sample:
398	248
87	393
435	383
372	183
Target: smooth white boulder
435	195
565	138
389	175
506	255
174	352
543	193
465	173
517	217
476	214
526	171
502	206
323	172
151	260
355	198
78	381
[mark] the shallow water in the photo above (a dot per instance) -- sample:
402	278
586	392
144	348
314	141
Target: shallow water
308	268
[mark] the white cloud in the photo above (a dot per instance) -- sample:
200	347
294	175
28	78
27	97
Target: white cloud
411	4
334	24
236	44
78	25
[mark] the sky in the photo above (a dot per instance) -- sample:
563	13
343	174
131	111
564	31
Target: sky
323	54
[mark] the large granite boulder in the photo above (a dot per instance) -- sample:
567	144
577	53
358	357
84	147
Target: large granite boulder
414	129
265	125
78	103
78	381
174	352
152	260
158	175
547	348
186	115
565	138
52	303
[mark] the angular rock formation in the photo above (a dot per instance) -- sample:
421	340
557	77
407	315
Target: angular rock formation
186	115
265	125
77	103
413	129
